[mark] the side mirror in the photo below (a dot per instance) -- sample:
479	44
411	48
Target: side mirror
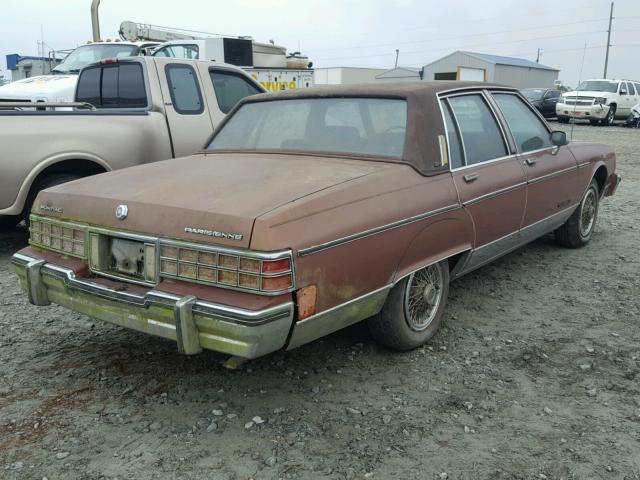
559	138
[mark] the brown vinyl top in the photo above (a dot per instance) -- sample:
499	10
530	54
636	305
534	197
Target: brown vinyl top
424	122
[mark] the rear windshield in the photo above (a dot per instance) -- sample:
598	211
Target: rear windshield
360	126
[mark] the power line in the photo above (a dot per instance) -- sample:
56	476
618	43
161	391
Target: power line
454	37
466	46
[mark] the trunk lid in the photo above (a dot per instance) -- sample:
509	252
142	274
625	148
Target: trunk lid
192	198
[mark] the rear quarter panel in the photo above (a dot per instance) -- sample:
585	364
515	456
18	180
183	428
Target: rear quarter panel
591	157
356	267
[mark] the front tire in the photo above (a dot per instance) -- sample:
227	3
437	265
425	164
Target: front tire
414	309
563	119
578	230
611	116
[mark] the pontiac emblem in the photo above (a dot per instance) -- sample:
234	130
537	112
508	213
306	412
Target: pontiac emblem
48	208
122	212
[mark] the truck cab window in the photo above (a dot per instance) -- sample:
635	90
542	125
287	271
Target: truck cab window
184	88
230	88
113	86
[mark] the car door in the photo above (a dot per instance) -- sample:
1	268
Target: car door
549	103
626	100
489	178
187	111
551	172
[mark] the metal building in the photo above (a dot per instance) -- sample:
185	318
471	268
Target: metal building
25	67
345	75
515	72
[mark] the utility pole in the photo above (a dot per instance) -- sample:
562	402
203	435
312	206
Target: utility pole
606	58
538	57
397	55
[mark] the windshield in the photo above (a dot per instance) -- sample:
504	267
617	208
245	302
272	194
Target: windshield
598	86
361	126
83	56
533	93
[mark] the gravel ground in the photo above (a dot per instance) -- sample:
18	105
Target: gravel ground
535	375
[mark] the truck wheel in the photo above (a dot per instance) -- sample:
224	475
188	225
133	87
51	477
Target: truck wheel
578	230
563	119
42	184
414	309
611	116
594	122
9	221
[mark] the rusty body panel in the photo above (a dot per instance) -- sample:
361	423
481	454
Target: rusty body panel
351	227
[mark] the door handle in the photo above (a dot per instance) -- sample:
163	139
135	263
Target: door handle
472	177
531	161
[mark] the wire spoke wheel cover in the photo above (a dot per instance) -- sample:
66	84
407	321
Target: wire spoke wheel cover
588	212
423	296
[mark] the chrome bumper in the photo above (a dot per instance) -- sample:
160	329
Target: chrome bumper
194	324
597	112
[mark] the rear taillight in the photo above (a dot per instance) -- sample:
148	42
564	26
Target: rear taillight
276	284
269	273
276	266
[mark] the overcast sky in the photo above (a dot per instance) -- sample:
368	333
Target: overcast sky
360	32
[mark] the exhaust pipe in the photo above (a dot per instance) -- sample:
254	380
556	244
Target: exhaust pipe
95	21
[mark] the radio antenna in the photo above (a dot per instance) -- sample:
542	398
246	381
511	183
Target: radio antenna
575	102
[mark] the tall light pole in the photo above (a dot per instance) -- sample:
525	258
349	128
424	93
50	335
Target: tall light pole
606	58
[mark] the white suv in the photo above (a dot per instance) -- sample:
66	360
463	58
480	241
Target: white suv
599	101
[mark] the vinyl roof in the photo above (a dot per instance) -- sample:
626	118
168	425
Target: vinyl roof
424	118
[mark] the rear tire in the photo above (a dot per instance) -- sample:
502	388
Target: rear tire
414	309
578	229
563	119
594	122
44	183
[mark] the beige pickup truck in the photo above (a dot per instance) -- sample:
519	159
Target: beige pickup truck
140	110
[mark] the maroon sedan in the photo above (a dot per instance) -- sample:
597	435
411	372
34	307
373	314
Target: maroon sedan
311	210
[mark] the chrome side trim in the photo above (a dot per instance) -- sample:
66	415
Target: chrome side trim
486	162
551	175
495	193
488	252
584	164
373	231
338	317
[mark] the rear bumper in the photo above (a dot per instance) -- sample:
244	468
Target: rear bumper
596	112
193	324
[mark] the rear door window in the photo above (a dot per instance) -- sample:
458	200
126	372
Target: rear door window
528	130
481	135
184	88
230	88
